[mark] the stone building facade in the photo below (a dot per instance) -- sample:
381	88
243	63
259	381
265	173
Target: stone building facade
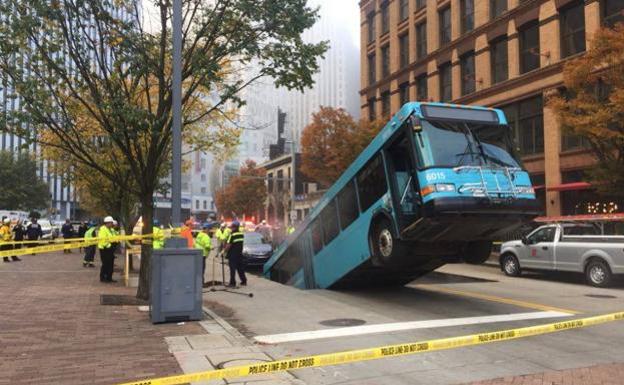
499	53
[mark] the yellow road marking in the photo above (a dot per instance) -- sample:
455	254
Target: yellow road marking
493	298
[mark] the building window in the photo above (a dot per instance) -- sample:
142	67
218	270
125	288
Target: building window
385	104
280	180
498	56
372	75
385	18
404	50
421	40
612	12
371	109
385	61
446	85
403	9
497	8
370	22
571	141
467	15
203	190
196	204
529	47
468	76
205	205
270	182
404	93
445	25
421	4
527	120
203	177
573	29
421	88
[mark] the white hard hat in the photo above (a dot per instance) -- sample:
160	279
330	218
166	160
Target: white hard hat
115	222
109	219
7	220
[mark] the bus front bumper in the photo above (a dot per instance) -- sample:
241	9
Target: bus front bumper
471	218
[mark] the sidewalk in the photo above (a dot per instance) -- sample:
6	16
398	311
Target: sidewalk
53	329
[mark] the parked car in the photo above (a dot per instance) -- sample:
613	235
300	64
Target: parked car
578	248
256	250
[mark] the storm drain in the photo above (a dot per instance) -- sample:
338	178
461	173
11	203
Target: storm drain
121	300
600	296
343	322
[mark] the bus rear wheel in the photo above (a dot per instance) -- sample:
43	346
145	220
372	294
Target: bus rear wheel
478	252
385	247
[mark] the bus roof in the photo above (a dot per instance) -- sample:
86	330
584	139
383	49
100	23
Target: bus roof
373	148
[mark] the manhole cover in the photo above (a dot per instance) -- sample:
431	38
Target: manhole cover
240	361
343	322
600	296
121	300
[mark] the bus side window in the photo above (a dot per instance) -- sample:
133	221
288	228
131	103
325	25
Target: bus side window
329	217
371	182
317	240
347	205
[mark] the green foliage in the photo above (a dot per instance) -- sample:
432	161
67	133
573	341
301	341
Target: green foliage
21	188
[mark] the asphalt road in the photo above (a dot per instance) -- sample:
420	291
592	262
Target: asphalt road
456	300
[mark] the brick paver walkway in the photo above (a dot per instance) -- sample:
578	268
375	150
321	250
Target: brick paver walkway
611	374
53	329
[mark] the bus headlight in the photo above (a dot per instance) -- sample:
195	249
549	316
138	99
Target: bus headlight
524	190
445	187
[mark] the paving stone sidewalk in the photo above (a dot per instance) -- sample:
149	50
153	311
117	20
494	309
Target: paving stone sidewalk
53	329
611	374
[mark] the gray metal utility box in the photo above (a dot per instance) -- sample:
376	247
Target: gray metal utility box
176	290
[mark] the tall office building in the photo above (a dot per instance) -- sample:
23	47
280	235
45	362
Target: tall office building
64	202
499	53
337	82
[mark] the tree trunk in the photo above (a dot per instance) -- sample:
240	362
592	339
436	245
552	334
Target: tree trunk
147	211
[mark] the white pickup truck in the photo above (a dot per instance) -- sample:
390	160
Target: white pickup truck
566	247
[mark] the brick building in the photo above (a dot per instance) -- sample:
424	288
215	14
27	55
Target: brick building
500	53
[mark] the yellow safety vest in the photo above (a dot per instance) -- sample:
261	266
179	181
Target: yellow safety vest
159	238
5	233
104	234
204	243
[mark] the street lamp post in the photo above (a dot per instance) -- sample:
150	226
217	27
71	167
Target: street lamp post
176	167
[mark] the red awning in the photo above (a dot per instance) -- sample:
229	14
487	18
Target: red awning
570	186
582	218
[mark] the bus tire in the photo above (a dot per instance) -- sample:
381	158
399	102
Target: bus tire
598	273
478	252
385	247
510	265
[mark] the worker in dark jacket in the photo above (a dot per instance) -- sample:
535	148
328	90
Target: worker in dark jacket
68	232
18	235
234	250
33	232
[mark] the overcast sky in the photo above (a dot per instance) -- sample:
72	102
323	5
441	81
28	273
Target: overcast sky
347	11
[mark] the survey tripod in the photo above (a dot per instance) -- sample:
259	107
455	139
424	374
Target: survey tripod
223	288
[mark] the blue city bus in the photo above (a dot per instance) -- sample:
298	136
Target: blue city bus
439	183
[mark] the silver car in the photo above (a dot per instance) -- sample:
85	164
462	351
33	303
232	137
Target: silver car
566	247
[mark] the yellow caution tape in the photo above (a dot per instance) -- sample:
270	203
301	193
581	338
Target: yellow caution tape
379	352
65	245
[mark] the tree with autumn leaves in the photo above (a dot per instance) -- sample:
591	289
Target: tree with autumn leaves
592	106
119	82
245	193
332	141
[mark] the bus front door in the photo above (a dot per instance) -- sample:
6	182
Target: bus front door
402	172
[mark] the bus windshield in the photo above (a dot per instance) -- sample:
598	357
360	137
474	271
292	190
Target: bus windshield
455	144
